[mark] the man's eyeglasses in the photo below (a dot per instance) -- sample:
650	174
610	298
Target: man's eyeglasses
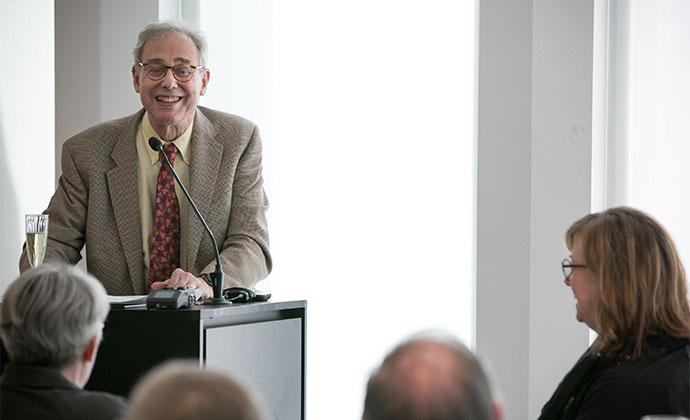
567	267
181	72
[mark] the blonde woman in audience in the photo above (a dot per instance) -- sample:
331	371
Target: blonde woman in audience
631	289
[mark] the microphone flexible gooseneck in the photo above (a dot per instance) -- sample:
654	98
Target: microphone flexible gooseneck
217	275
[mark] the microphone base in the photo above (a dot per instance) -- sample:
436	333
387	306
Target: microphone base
221	301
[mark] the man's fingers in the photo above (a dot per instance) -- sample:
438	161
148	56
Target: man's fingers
158	285
181	278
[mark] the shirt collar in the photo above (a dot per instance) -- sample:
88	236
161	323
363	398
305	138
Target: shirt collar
27	376
181	142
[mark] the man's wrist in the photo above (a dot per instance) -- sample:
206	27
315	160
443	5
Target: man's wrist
206	277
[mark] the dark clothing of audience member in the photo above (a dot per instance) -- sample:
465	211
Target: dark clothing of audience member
597	390
37	393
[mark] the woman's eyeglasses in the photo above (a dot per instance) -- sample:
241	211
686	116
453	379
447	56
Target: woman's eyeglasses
567	266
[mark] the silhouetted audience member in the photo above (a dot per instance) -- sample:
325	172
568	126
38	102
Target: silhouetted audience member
181	390
51	325
430	378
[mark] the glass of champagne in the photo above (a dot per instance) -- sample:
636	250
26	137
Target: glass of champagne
36	238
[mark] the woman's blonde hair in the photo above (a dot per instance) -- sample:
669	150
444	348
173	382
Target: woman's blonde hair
640	279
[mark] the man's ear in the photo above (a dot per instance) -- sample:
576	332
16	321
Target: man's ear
204	81
498	411
91	348
135	78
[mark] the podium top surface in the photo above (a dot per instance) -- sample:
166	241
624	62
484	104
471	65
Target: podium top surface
237	311
248	308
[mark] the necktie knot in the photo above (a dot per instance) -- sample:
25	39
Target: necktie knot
170	151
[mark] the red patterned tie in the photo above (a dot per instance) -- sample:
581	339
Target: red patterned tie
165	244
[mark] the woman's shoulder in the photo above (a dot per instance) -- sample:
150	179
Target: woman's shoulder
667	370
655	384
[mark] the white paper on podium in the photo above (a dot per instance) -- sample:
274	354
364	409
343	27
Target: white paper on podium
133	301
120	299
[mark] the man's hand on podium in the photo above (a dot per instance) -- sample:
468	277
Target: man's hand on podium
181	278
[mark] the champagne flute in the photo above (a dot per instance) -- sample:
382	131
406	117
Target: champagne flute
36	238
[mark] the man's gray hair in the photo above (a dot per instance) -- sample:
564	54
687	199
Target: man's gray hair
158	29
429	377
50	313
180	389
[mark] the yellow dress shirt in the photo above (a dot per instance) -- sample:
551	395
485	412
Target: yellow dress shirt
149	166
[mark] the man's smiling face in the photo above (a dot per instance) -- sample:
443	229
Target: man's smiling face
171	104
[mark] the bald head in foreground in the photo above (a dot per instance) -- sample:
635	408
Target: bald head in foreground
430	378
182	390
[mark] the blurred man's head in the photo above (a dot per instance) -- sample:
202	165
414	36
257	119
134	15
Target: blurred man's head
182	390
53	316
430	378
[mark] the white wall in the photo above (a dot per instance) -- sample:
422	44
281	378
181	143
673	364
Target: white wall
534	164
26	122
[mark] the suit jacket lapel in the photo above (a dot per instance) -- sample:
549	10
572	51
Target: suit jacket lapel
124	197
207	155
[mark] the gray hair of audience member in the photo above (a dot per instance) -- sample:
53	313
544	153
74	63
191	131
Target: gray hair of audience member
50	313
158	29
180	389
431	378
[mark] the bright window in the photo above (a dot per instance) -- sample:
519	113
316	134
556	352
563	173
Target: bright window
366	110
648	95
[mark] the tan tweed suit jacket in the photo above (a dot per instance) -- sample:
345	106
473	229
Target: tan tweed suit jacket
97	203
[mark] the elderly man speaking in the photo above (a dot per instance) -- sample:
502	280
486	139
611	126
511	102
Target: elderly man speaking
117	197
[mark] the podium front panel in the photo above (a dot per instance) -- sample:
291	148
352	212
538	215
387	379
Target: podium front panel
262	343
265	355
134	341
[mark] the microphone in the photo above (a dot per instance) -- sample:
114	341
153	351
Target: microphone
217	275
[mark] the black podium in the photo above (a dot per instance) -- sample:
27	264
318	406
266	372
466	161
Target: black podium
261	343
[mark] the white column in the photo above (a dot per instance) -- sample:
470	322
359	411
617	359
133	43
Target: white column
533	180
562	70
503	196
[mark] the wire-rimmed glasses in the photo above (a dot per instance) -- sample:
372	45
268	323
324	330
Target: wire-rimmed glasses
181	72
